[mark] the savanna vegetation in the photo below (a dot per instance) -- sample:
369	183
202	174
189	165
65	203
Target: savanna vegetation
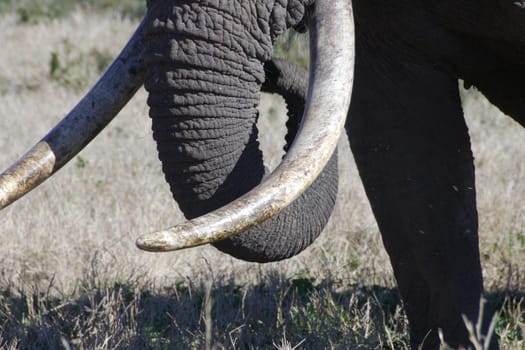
71	277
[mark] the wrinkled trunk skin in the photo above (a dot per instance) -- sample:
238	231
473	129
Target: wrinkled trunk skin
302	222
204	72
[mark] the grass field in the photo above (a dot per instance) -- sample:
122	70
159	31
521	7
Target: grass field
71	277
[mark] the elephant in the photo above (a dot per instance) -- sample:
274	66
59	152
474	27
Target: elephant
204	63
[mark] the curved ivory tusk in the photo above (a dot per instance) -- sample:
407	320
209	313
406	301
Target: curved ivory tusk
114	89
331	74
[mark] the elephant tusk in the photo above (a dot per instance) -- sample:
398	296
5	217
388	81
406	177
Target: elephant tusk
101	104
331	77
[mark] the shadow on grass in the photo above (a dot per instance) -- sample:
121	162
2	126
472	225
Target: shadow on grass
137	315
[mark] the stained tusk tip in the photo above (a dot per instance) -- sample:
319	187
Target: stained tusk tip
163	241
152	242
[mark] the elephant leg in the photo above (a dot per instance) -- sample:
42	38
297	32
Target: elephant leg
411	145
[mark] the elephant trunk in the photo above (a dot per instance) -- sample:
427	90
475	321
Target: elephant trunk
204	74
203	121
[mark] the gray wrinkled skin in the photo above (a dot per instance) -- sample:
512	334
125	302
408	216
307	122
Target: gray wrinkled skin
204	89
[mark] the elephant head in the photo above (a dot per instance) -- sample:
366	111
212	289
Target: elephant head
203	64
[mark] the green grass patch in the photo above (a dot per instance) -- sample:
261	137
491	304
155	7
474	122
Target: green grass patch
293	46
34	11
73	67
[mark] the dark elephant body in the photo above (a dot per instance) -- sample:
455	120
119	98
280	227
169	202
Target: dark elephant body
405	125
412	148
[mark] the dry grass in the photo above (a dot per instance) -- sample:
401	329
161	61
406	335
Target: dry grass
71	277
